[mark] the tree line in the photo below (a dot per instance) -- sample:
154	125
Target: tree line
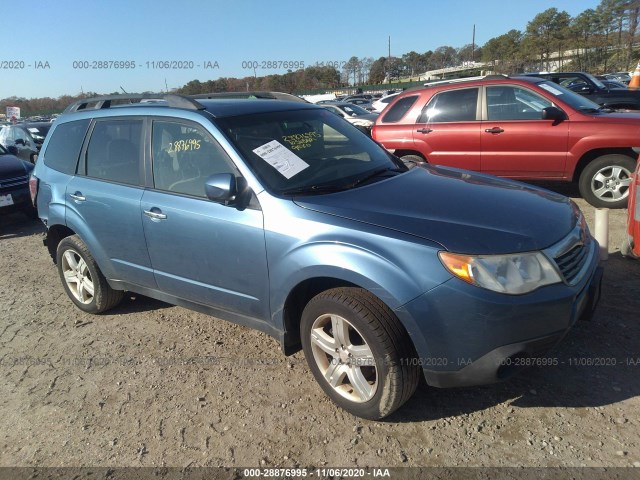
600	39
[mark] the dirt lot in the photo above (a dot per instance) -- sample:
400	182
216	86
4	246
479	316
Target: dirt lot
149	384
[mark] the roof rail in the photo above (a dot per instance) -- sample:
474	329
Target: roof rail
466	79
251	94
98	103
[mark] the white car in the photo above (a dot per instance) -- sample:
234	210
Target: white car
379	105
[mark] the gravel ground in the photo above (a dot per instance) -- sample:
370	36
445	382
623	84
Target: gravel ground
150	384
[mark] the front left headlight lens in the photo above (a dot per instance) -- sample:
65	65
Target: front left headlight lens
511	274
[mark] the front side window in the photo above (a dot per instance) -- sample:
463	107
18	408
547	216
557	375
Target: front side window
184	156
508	102
114	151
20	134
451	106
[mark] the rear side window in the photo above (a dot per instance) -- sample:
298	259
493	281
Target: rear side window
399	109
114	151
64	146
451	106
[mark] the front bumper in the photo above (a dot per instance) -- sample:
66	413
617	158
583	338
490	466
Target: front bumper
468	336
20	197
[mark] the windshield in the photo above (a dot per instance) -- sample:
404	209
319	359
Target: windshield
353	109
573	99
39	132
595	80
307	151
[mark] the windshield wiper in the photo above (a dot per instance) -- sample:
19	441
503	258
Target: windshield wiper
314	189
376	173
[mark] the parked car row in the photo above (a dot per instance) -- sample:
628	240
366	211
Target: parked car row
526	127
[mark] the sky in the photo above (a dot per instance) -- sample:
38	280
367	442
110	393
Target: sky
66	47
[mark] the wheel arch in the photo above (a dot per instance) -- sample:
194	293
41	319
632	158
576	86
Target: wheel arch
402	152
55	234
598	152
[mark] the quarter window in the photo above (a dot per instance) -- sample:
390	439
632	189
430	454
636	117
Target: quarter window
451	106
114	151
399	109
184	156
64	147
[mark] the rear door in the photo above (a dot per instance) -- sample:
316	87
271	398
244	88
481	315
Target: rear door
103	200
448	130
516	141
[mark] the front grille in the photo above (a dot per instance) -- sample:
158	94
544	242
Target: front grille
14	182
571	263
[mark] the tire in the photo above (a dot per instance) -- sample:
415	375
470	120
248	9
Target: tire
605	181
82	279
370	359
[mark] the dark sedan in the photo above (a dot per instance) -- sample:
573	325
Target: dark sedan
24	139
14	185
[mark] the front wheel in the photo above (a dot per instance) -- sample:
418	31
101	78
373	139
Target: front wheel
605	181
359	352
82	279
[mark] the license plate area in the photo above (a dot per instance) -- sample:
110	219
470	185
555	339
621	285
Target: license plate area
6	200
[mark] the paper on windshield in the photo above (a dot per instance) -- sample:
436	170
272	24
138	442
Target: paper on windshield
550	89
281	158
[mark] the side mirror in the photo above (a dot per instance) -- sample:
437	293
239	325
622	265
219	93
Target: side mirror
20	142
553	113
220	188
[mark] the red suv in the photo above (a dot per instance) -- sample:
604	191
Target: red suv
517	127
631	243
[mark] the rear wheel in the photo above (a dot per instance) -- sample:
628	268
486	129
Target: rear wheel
82	279
359	352
605	181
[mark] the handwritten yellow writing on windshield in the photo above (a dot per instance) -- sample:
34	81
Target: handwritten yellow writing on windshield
300	141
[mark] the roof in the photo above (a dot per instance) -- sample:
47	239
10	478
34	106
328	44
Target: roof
222	105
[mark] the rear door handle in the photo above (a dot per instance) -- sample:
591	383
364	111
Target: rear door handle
155	214
425	130
494	130
78	197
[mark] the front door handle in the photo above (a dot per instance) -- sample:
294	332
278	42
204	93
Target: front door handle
494	130
425	130
78	197
155	214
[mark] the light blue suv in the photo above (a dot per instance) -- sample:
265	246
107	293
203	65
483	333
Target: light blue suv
283	217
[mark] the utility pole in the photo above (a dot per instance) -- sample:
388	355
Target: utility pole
389	56
473	43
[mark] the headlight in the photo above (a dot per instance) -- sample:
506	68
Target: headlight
510	274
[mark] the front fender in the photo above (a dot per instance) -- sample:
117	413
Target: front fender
396	271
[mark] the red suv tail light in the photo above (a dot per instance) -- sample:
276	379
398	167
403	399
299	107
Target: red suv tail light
33	188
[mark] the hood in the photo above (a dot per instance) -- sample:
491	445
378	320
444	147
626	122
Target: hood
11	167
463	211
